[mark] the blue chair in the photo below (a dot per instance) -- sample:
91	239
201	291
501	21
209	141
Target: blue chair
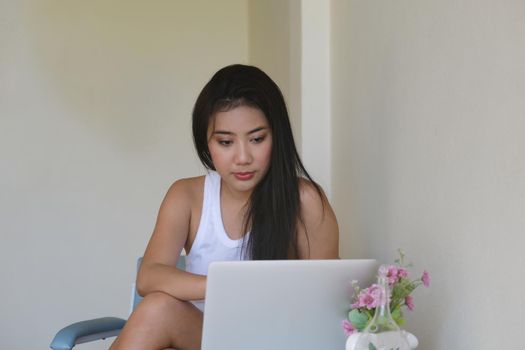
98	328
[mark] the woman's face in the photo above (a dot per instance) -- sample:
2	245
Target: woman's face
240	144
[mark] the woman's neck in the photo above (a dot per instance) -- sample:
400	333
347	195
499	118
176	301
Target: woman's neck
234	207
235	197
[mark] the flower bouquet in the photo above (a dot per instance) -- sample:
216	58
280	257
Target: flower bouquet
369	304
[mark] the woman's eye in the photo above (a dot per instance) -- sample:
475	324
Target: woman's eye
225	142
258	139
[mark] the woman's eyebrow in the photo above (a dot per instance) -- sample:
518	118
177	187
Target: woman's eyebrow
225	132
257	129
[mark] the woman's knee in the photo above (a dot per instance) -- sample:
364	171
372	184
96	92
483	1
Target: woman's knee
170	321
158	305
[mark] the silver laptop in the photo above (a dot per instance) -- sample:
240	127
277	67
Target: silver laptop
280	305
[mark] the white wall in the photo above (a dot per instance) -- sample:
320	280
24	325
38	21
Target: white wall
95	105
274	46
428	124
427	117
315	91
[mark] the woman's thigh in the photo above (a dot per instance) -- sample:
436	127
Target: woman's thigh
161	321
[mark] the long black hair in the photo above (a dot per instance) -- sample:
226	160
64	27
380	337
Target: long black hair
274	208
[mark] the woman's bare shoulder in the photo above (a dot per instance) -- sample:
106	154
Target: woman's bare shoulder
183	196
187	188
312	196
319	233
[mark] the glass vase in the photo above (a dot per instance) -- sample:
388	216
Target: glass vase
382	332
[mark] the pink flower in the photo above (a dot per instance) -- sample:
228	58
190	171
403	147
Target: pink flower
426	279
369	297
390	273
402	272
409	302
348	327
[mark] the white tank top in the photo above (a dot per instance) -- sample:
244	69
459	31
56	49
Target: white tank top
211	241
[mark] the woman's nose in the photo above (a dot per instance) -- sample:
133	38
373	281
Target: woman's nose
243	155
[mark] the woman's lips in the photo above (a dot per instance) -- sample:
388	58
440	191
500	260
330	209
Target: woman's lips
245	176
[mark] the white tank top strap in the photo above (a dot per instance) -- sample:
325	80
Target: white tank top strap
212	243
216	214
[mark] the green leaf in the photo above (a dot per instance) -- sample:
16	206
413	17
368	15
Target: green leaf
358	319
397	315
371	346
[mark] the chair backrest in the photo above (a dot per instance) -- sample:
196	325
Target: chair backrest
135	297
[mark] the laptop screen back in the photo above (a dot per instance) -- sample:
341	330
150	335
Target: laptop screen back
284	304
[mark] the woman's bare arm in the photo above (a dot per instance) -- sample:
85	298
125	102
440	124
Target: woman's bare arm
318	234
158	272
